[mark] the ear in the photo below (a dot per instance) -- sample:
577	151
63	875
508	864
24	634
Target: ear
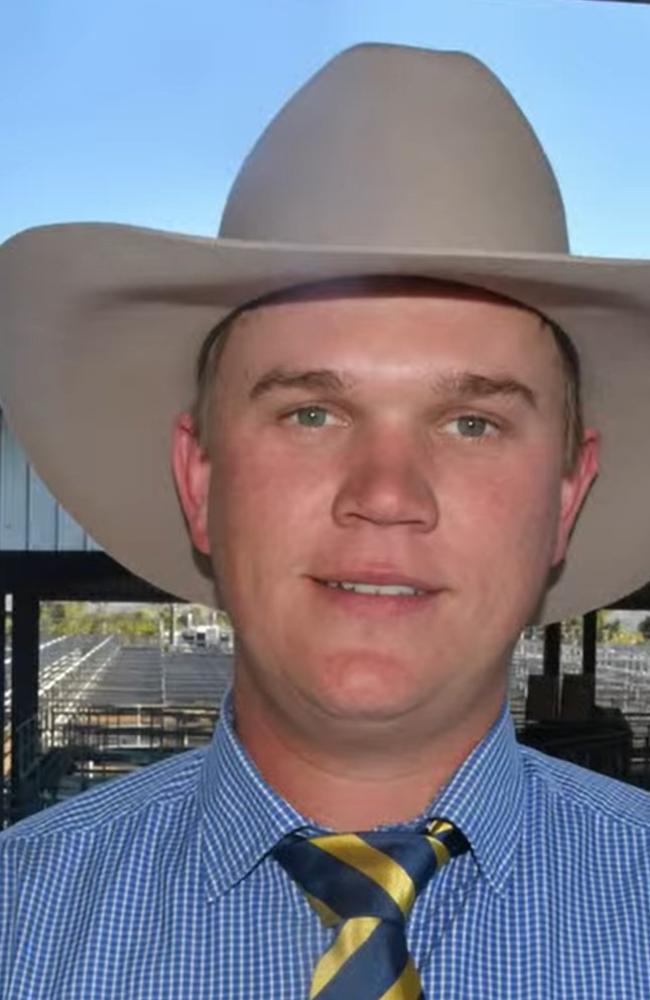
575	487
191	467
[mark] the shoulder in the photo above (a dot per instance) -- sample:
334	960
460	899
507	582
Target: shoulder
48	861
163	787
111	846
586	846
595	798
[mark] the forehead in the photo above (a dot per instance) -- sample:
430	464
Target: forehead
370	322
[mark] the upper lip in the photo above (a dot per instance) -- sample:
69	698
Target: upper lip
378	577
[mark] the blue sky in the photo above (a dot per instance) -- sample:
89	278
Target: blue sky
140	111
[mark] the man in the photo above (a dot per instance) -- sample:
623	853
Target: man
383	467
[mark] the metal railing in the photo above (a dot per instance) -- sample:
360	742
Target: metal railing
68	666
93	729
70	746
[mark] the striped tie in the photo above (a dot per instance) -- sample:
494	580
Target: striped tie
365	885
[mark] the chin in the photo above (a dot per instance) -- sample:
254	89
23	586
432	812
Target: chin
366	686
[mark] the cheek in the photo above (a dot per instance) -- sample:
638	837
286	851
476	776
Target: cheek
510	517
263	500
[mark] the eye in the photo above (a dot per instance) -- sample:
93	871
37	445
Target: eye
310	416
471	426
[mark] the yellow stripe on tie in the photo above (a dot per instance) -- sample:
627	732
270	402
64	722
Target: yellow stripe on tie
440	851
376	865
407	987
433	830
327	915
437	826
353	934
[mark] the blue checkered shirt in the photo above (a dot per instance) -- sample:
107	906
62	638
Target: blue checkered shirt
160	887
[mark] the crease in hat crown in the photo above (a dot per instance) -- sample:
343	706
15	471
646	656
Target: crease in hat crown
458	168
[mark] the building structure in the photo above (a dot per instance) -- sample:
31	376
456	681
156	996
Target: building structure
44	555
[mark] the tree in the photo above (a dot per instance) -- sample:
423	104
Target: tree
611	630
572	630
75	618
63	618
644	628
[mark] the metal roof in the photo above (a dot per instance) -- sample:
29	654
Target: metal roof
31	520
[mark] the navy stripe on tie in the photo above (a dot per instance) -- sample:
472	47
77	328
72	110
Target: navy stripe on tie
373	967
414	854
346	890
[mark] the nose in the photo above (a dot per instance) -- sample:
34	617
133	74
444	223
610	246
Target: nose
387	481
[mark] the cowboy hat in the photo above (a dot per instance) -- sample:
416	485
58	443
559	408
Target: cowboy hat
390	160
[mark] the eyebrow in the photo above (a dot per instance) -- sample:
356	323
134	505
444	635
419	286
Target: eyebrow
468	385
322	379
461	385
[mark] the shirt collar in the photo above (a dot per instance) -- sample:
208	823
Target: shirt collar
485	799
243	818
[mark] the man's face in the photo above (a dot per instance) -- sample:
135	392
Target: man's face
384	499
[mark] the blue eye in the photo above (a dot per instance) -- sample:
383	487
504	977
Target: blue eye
471	426
310	416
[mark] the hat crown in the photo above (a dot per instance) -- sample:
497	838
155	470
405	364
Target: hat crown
389	146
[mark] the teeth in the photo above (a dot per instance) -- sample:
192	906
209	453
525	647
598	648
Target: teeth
385	590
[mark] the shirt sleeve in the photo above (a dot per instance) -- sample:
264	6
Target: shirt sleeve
9	884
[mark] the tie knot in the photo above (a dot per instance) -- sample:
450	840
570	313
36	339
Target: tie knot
377	874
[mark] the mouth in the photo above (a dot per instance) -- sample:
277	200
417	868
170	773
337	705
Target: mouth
375	589
375	594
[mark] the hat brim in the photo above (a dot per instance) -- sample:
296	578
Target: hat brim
102	324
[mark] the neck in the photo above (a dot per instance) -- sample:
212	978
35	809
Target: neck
343	781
